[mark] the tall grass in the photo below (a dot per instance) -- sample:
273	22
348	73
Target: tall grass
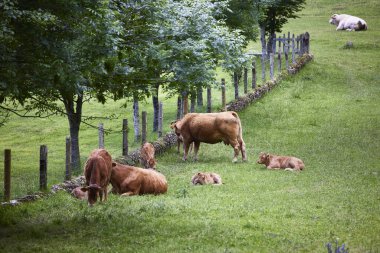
328	115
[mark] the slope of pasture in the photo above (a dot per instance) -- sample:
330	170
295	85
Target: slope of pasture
328	115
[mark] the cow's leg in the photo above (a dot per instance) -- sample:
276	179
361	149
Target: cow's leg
242	149
196	148
236	146
105	193
186	145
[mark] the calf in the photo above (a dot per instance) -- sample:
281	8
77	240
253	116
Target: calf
211	128
206	178
147	156
281	162
348	22
97	172
78	193
129	180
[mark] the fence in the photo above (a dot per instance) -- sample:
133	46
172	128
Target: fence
282	48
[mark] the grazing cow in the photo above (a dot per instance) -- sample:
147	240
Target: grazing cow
129	180
147	156
78	193
206	178
179	138
97	172
211	128
281	162
348	22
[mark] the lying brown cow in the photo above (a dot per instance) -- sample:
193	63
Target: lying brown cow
147	156
281	162
97	172
211	128
128	180
206	178
78	193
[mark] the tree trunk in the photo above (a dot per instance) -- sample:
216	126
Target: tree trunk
270	43
74	116
262	39
155	108
193	97
179	107
200	97
136	119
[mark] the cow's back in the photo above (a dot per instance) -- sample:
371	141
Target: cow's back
153	182
213	127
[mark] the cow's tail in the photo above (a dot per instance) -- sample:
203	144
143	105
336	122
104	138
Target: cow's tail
240	137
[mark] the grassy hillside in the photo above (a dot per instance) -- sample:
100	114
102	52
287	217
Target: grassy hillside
328	115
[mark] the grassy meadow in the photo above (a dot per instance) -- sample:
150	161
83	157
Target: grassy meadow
328	115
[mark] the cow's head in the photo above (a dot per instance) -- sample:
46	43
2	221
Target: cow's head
200	178
334	19
152	163
92	192
263	158
176	126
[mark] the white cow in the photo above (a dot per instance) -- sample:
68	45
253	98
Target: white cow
348	22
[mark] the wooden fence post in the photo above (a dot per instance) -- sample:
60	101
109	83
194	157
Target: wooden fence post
307	42
293	49
236	85
223	95
68	159
143	122
271	63
101	135
253	74
245	80
125	137
7	175
263	66
208	99
160	119
287	57
279	60
43	167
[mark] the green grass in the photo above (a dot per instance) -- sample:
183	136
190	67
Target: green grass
328	115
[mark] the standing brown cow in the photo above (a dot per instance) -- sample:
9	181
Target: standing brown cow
211	128
280	162
97	172
129	180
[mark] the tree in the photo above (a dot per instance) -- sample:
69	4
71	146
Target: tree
273	14
56	51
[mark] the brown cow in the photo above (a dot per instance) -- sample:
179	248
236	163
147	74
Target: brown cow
129	180
281	162
179	138
211	128
97	172
147	156
206	178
